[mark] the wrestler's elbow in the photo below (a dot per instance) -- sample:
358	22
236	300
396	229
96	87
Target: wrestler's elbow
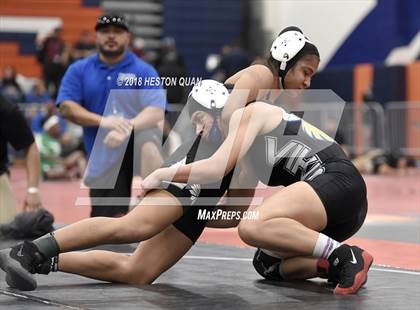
66	111
216	170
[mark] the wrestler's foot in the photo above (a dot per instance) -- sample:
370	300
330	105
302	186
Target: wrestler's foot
12	261
352	264
324	271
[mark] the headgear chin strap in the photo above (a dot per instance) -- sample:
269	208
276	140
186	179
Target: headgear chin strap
289	47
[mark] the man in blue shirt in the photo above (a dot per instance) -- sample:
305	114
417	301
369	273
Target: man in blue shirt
112	95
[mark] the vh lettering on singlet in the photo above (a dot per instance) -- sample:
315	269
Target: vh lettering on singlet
295	158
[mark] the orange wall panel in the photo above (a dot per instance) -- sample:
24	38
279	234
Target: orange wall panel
413	110
362	79
75	17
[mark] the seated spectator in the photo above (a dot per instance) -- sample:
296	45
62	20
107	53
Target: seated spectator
392	164
137	46
84	46
53	165
10	89
71	134
42	115
26	83
378	161
71	138
38	93
233	59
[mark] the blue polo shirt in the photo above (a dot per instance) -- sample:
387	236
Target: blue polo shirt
89	82
122	89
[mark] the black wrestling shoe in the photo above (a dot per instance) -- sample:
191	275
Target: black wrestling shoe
32	259
47	266
13	262
326	272
352	265
28	255
267	266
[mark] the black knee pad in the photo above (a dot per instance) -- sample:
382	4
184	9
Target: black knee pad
267	266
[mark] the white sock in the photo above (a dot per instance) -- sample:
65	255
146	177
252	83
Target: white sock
324	246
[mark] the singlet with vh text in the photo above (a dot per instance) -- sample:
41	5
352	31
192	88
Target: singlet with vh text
293	151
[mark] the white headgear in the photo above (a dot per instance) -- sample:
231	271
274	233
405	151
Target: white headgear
286	46
209	96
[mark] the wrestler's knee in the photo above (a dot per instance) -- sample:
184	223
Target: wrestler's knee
249	231
139	274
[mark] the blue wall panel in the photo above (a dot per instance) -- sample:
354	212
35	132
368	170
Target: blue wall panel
338	80
389	83
26	41
201	27
390	24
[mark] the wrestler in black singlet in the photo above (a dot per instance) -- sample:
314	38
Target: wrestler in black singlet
297	151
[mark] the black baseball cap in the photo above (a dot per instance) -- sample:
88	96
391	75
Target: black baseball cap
111	19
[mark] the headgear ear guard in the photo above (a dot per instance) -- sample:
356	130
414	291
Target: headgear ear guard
208	96
289	47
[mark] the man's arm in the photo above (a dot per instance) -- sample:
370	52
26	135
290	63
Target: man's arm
149	117
75	113
70	98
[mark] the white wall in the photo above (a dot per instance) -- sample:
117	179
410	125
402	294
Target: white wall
40	25
327	23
